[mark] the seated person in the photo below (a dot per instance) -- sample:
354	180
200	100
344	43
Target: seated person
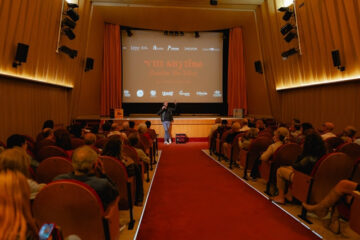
259	124
134	140
16	217
295	128
90	139
244	142
151	131
19	141
280	137
244	125
343	188
48	124
48	140
215	126
326	130
16	159
84	162
348	135
313	150
63	139
223	127
113	148
235	130
142	130
305	129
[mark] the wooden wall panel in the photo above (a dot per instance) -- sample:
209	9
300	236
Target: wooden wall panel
323	26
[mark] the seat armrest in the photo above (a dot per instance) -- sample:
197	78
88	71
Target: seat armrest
112	217
355	213
301	185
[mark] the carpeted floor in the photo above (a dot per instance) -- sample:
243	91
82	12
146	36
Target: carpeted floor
192	197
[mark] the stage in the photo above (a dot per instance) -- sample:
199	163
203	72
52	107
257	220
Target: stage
194	126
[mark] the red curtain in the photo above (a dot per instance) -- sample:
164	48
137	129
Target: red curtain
236	72
111	82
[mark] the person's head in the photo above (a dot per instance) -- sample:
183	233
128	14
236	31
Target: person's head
16	140
16	218
113	147
281	134
314	145
349	131
15	159
89	138
125	125
131	124
218	120
63	139
260	124
252	133
327	127
224	122
148	124
48	133
235	126
142	128
165	104
84	160
133	139
305	127
296	124
48	124
244	122
114	127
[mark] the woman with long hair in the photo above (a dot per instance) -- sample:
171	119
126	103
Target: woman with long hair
16	221
313	150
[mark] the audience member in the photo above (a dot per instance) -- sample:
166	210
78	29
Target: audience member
84	162
90	139
48	124
215	126
48	140
151	131
142	130
134	140
244	127
16	221
113	148
305	129
16	159
280	137
63	139
348	135
235	130
76	130
115	130
313	150
244	142
260	125
19	141
326	130
343	188
295	128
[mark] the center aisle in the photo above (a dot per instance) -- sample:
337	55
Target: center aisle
192	197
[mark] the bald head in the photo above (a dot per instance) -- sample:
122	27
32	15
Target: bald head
90	138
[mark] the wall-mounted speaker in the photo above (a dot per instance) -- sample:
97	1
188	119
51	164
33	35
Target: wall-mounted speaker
213	2
21	54
258	67
336	60
89	65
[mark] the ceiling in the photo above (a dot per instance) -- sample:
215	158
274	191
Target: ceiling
177	15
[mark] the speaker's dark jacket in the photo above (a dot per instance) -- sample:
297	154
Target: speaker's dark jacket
167	113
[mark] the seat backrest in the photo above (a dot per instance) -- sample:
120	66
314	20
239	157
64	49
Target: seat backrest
51	151
355	213
355	176
145	141
351	149
100	143
72	205
256	148
152	133
235	146
328	171
116	171
77	142
332	143
130	152
287	154
51	167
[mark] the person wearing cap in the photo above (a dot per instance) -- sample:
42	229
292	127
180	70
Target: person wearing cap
327	128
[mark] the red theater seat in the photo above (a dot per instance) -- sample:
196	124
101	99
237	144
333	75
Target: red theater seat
51	167
51	151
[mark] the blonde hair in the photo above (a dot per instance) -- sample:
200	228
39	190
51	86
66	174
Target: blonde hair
142	128
16	221
83	159
15	159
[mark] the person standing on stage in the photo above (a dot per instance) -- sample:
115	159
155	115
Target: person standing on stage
166	116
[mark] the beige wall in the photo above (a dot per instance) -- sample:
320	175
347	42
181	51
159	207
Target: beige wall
323	26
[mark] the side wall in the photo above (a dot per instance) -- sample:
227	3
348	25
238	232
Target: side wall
324	26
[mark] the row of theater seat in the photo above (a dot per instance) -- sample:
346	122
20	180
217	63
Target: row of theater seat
341	162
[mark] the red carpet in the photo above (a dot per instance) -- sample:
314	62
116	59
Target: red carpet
192	197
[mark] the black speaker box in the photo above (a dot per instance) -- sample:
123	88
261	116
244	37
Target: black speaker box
258	67
213	2
336	58
89	65
112	113
21	52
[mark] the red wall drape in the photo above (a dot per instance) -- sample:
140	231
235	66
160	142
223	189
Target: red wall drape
111	82
236	72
